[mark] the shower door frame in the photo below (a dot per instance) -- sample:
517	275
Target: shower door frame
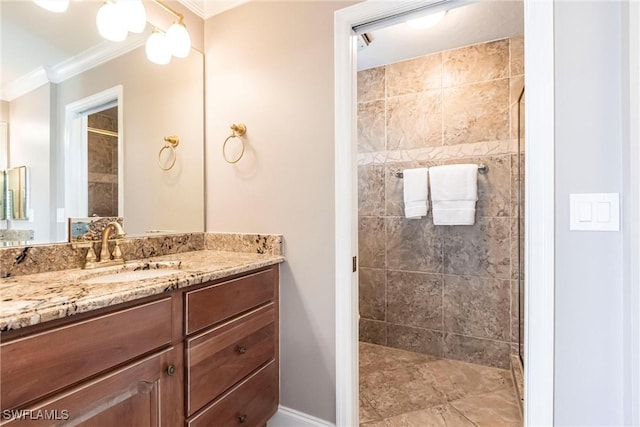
539	228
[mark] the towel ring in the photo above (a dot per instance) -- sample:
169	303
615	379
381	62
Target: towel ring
171	142
236	132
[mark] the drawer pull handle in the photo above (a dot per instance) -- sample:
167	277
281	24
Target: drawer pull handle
242	418
241	349
171	369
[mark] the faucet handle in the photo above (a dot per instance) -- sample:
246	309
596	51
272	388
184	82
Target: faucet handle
116	255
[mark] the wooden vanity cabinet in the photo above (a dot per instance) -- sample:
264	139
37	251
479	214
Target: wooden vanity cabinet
231	351
205	356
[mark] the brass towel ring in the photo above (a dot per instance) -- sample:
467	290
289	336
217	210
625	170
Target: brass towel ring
236	131
171	142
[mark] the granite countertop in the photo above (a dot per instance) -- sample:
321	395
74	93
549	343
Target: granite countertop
36	298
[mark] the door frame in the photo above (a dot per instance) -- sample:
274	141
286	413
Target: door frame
76	151
539	206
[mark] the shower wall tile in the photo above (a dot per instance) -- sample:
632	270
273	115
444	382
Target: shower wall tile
371	242
414	75
371	190
371	130
517	55
371	84
414	299
100	153
476	350
477	63
441	290
102	199
516	176
371	286
373	332
494	187
514	311
516	84
414	120
418	340
481	249
478	112
515	245
413	245
477	306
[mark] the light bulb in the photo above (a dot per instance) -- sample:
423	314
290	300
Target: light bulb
426	21
179	40
57	6
157	49
134	15
110	25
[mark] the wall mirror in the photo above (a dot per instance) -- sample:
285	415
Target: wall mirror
48	72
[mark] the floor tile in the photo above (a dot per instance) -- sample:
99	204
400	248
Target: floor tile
494	409
377	357
438	416
405	389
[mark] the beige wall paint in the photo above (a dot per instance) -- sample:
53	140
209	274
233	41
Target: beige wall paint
270	66
158	101
29	118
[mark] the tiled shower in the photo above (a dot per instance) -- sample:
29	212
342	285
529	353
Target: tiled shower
446	291
102	157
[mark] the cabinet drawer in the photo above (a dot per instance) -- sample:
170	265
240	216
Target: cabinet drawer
249	404
39	364
223	356
210	305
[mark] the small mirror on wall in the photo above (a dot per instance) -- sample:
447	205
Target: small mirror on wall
17	191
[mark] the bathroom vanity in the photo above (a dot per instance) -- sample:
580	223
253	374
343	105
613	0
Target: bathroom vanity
196	348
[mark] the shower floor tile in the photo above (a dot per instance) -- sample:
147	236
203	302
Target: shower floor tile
403	389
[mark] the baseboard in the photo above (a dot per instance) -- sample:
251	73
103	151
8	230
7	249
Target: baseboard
287	417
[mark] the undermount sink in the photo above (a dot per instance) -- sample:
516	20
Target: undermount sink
134	271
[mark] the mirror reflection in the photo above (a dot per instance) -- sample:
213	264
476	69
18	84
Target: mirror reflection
88	153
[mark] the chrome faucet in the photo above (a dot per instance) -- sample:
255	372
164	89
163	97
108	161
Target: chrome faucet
106	258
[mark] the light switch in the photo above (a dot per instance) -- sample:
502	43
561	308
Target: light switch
584	212
594	212
603	211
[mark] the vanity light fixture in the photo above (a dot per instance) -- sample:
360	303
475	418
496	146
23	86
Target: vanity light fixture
116	18
426	21
157	48
176	40
57	6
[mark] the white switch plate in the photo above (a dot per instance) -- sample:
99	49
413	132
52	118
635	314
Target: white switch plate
594	211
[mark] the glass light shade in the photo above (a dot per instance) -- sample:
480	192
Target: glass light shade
157	49
134	15
110	25
57	6
179	40
426	21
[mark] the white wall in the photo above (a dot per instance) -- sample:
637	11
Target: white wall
29	135
159	100
270	65
589	306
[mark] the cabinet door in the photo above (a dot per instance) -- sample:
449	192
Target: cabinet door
141	394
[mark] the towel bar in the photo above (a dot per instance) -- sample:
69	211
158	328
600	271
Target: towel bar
482	169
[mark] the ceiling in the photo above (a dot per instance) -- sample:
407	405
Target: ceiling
33	37
44	38
463	26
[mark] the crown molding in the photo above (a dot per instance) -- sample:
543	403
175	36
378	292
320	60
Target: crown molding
194	6
94	56
24	84
84	61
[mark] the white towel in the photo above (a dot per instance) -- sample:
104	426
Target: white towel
416	192
454	192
